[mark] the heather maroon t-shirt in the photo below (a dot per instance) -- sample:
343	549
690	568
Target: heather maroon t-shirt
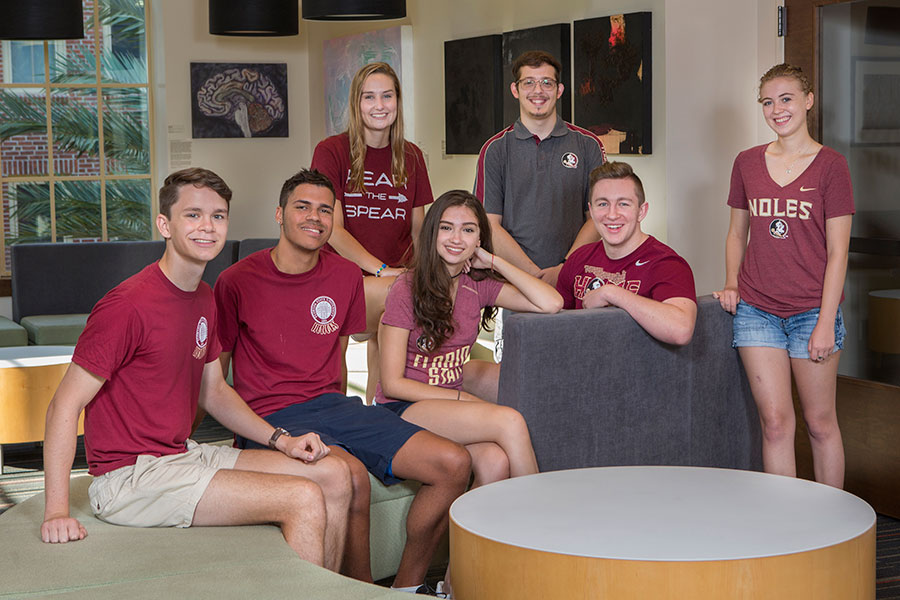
380	216
150	340
784	267
284	330
443	367
653	271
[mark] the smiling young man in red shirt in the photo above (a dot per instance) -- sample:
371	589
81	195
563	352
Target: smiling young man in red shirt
285	315
627	267
143	366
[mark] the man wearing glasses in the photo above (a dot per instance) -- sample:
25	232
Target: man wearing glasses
533	176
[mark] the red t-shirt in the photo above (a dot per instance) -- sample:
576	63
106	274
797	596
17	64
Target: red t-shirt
442	367
379	217
150	341
653	271
784	267
284	330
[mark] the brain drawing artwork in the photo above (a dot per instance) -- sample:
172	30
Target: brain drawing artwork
245	96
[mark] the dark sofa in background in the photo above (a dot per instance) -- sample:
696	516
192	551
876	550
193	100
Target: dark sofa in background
55	286
597	390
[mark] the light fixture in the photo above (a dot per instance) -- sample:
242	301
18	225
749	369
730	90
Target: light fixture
254	17
41	20
353	10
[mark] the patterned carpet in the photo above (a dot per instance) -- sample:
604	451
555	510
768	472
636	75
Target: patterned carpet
22	477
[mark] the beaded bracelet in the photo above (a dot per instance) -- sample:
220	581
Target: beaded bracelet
380	269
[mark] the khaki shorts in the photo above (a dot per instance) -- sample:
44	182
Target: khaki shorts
159	491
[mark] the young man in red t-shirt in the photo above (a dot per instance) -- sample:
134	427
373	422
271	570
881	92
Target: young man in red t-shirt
285	315
143	366
627	267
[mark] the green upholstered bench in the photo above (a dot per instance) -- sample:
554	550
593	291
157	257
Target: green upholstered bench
54	330
124	562
12	334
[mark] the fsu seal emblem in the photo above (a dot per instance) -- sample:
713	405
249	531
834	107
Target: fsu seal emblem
201	337
323	310
570	160
778	229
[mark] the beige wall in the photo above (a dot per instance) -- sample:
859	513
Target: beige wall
707	56
254	168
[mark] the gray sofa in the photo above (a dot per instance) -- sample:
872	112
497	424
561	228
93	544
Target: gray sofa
597	390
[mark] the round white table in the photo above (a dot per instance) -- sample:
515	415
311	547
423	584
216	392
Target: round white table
29	376
661	532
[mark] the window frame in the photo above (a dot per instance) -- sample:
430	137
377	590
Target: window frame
102	42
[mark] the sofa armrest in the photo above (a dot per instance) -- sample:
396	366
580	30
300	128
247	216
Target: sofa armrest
597	390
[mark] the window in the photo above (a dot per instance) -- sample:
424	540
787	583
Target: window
75	133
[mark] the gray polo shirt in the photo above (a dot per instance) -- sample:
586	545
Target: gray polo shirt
539	187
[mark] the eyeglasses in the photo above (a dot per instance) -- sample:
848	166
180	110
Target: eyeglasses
546	84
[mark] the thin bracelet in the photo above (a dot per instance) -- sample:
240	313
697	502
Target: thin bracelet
458	392
380	269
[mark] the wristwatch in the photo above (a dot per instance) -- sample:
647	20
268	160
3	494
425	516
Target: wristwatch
279	431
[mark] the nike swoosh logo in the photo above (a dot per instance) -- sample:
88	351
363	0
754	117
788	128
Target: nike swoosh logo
806	189
640	263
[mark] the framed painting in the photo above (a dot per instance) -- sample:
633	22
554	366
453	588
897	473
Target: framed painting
612	81
344	56
239	100
555	39
473	92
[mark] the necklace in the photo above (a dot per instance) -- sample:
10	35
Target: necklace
800	153
457	275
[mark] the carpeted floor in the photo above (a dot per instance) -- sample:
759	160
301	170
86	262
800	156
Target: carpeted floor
23	477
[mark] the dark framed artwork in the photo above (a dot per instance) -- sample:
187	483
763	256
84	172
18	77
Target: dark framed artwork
613	81
239	100
473	92
555	39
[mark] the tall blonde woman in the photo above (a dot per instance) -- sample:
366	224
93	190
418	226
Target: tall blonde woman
794	199
381	189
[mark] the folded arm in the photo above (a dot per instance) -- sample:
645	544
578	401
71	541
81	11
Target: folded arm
670	321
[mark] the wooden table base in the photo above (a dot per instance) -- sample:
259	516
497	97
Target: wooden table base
487	570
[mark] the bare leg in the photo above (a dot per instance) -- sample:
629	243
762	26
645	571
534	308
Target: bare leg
489	463
482	378
769	372
817	388
333	477
356	554
474	422
376	289
295	504
443	467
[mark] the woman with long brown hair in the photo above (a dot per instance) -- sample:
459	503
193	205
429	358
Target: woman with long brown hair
381	189
431	320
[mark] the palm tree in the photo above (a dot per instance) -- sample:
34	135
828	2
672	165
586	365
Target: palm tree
75	120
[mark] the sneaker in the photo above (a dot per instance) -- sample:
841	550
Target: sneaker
427	590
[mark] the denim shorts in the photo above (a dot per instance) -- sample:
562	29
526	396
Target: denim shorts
757	328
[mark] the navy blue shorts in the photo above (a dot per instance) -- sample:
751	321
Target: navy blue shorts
398	407
370	433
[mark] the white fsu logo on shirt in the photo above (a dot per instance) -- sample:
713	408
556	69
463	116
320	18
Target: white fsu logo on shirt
201	336
323	309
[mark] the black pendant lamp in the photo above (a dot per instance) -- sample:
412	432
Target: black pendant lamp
353	10
254	17
41	20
